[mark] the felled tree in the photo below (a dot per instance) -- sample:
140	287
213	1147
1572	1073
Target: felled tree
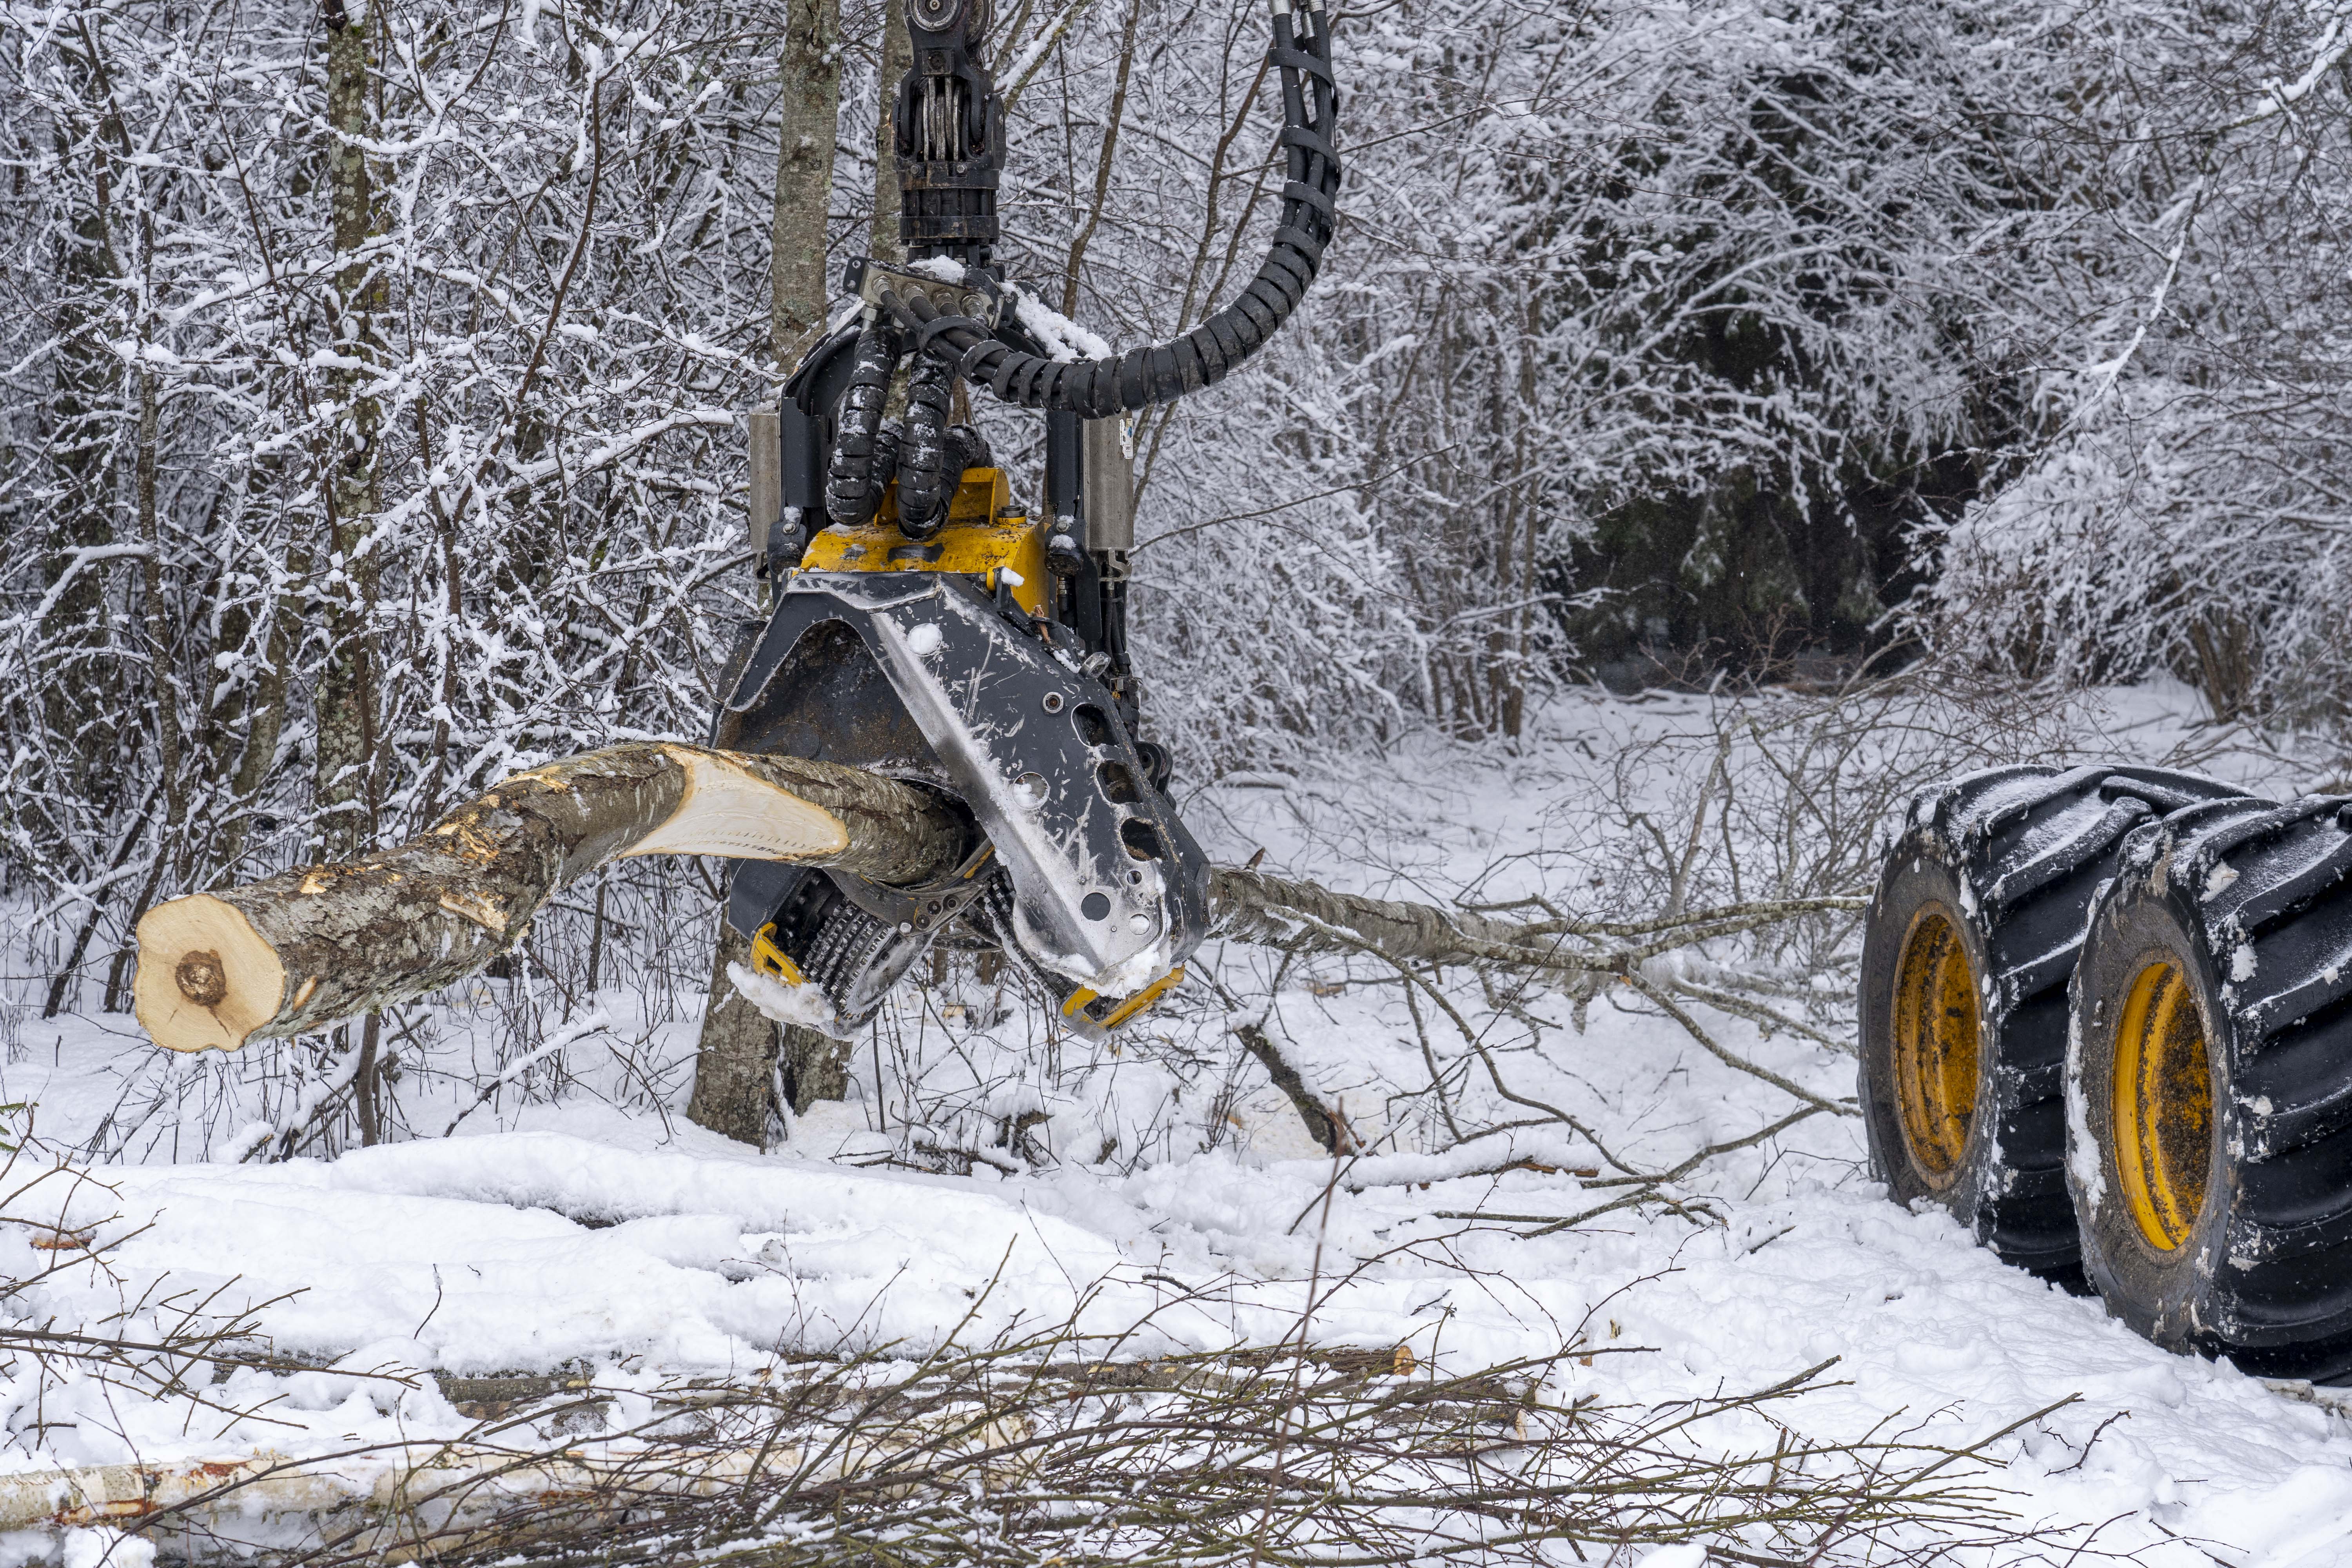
298	951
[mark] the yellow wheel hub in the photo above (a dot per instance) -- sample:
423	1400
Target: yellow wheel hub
2163	1106
1934	1045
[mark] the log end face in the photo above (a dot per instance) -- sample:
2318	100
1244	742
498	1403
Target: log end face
205	979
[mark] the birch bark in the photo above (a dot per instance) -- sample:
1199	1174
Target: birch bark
298	951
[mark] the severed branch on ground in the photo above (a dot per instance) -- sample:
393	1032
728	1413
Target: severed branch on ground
1646	1188
1326	1125
1255	906
1023	1451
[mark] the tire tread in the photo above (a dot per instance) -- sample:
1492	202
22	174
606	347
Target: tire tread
2031	845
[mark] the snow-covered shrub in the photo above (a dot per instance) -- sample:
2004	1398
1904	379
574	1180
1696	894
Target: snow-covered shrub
2175	501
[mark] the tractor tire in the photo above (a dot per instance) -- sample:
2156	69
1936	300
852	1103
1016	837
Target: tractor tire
1967	949
2209	1087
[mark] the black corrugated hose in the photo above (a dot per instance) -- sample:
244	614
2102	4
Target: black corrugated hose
1162	373
852	488
924	484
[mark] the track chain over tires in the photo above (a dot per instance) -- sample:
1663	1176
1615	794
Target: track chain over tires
1967	950
2209	1087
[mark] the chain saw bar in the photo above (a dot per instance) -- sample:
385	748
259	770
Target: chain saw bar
1163	373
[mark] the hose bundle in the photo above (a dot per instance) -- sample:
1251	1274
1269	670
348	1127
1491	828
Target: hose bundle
854	480
1162	373
949	346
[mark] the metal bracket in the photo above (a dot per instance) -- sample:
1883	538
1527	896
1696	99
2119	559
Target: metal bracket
1110	890
979	295
926	908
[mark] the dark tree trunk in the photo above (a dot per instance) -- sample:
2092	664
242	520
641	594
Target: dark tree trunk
735	1067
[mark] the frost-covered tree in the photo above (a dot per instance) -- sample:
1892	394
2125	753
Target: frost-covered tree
374	378
2177	501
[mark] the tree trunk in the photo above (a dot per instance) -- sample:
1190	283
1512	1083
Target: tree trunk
735	1063
817	1067
83	428
267	705
1109	151
299	951
808	116
898	58
346	697
1527	510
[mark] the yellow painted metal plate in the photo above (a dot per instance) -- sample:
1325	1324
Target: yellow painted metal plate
1112	1015
1935	1044
2163	1116
976	540
773	961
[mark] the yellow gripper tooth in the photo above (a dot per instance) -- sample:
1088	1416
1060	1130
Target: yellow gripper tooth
771	960
1081	997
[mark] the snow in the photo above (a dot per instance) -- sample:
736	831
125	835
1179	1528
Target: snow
478	1254
528	1252
805	1006
104	1545
2083	1164
563	1232
1062	338
1684	1556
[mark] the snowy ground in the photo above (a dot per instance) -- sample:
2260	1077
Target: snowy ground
592	1227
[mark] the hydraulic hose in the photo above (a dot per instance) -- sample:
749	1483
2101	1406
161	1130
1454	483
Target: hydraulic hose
924	482
851	490
1162	373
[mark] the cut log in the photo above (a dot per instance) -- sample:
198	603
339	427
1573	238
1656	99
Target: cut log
402	1503
301	950
436	1501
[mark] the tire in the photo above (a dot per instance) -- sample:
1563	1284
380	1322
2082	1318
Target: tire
1967	949
2209	1087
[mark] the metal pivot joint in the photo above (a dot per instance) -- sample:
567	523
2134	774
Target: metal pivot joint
948	130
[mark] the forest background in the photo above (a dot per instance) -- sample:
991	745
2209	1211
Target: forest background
374	382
